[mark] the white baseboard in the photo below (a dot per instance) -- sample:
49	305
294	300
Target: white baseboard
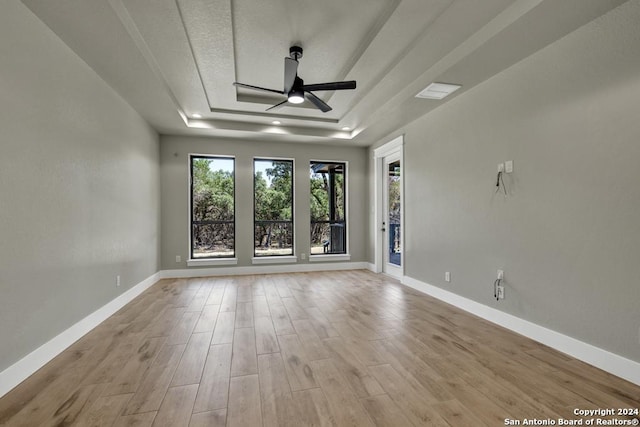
605	360
23	368
262	269
371	267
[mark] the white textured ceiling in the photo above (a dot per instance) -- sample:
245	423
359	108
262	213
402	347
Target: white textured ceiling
171	59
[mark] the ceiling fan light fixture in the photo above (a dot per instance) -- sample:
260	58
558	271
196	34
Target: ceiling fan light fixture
295	89
296	97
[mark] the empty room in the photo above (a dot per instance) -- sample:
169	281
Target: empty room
331	213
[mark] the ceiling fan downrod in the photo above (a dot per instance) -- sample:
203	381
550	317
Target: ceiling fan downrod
295	52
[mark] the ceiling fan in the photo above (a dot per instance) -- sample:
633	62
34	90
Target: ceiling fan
294	87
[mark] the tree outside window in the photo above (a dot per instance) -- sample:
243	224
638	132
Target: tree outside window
212	207
273	207
328	208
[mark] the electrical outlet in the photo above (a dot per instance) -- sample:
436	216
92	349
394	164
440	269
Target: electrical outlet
500	274
117	280
447	276
500	167
508	166
500	292
178	258
303	256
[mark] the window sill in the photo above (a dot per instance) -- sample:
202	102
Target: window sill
330	257
211	261
274	259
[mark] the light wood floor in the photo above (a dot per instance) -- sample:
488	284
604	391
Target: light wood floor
322	349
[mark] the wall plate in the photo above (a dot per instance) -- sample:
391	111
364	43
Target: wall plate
508	166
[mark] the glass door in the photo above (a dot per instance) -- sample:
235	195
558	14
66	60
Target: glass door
392	215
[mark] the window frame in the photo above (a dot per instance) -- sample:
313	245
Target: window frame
346	256
220	259
284	258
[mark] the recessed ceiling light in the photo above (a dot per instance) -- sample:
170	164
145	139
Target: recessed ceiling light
197	116
276	122
438	90
346	128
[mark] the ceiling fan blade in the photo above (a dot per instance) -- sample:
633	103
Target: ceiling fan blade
273	107
290	73
263	89
351	84
322	106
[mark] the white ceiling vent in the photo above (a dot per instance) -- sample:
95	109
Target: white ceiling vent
438	90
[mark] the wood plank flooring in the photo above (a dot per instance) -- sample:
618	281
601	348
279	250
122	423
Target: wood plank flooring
308	349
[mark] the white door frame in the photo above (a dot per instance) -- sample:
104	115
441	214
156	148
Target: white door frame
395	146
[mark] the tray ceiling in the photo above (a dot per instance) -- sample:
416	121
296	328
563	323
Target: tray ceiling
173	59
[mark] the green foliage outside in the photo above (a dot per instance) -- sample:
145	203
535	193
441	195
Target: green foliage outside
213	200
394	207
212	193
320	208
273	201
394	199
320	197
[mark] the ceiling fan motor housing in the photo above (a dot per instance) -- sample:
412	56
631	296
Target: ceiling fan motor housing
295	52
294	88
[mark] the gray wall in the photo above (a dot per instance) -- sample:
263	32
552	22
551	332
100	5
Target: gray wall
79	188
568	234
174	172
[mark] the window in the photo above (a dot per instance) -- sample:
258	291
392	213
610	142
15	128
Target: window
328	208
273	207
212	207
